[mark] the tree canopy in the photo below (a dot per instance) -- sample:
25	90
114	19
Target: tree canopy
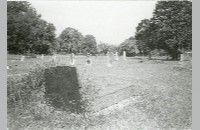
104	48
26	31
170	28
71	40
89	45
129	45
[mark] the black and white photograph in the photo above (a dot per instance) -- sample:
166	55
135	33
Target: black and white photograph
99	65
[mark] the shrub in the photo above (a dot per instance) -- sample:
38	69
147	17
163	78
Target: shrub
19	90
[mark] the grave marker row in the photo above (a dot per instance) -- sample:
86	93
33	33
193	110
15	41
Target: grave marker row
42	57
110	58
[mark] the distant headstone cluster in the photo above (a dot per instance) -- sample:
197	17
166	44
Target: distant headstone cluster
110	58
41	57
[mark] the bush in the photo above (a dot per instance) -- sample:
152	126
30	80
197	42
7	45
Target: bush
19	90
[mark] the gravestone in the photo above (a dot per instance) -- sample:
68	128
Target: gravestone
54	57
88	60
181	57
8	67
109	59
116	56
62	89
186	60
72	61
124	55
187	56
42	56
22	58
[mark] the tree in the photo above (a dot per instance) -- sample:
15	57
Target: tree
129	45
26	30
43	38
113	48
145	36
103	48
89	45
170	28
174	19
71	40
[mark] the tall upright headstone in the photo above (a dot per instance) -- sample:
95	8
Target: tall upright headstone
181	57
124	55
116	56
109	59
22	58
72	61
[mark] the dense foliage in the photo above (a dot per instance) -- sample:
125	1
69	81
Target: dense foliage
170	28
27	31
104	48
72	41
89	45
129	45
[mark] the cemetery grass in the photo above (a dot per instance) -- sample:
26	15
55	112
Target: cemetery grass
165	94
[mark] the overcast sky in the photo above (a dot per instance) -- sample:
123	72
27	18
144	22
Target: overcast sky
109	21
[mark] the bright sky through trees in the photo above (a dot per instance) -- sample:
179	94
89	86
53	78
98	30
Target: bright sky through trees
109	21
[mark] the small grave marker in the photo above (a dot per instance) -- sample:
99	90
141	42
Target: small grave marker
89	61
186	60
8	67
109	59
42	56
124	55
182	57
116	56
54	57
187	56
72	61
22	58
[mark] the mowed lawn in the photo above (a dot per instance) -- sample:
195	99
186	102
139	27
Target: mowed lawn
165	92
